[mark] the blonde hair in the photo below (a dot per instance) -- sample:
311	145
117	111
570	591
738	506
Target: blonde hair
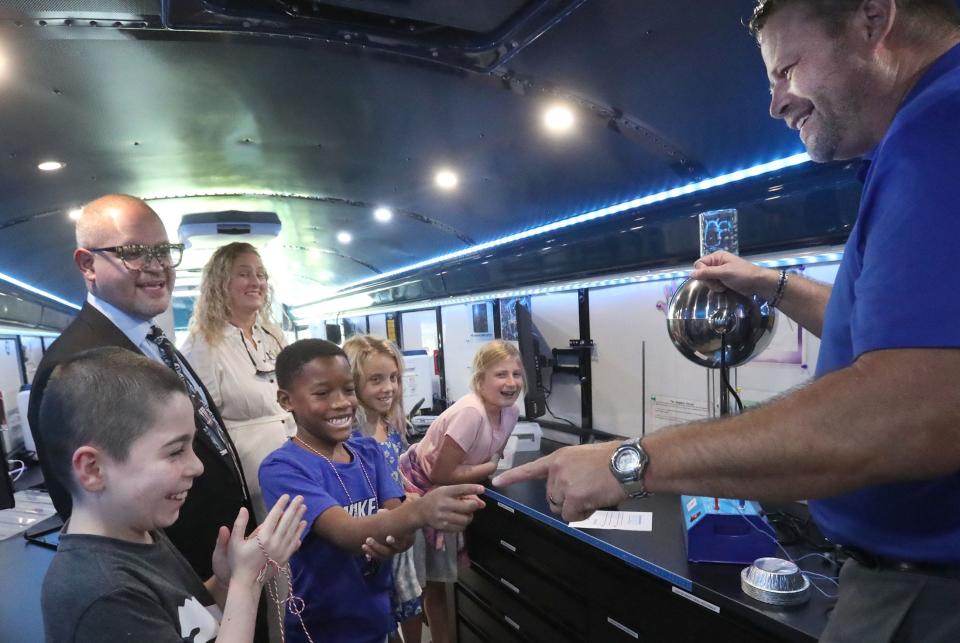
211	313
488	356
359	350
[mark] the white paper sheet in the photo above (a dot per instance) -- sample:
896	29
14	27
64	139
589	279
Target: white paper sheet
622	520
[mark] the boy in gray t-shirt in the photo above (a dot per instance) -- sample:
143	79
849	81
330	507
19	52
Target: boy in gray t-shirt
126	456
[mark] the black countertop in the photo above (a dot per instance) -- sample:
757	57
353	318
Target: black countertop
662	553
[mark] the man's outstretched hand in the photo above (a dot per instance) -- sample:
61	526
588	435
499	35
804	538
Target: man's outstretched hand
578	479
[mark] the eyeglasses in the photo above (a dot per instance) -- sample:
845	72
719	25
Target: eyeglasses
137	256
271	356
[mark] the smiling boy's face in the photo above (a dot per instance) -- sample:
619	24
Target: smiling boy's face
147	489
323	400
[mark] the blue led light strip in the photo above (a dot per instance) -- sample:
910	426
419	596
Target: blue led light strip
690	188
329	308
43	293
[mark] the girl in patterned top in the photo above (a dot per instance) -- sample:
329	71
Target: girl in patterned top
377	366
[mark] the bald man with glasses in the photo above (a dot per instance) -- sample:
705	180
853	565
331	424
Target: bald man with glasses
127	263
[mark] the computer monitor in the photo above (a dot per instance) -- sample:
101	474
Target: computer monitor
333	333
533	353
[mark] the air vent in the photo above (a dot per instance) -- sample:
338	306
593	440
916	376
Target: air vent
211	229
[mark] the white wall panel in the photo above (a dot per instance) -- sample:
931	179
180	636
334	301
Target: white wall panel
626	322
419	328
459	345
378	325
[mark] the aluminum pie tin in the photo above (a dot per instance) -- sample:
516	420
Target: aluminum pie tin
775	581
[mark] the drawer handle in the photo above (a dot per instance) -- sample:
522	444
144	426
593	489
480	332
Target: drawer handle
623	628
513	588
508	546
512	623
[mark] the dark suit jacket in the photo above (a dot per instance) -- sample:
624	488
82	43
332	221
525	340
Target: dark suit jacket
217	494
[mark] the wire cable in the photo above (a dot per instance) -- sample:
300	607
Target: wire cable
809	575
16	468
548	392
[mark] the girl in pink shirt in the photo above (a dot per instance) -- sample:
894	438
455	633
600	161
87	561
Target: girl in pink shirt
463	445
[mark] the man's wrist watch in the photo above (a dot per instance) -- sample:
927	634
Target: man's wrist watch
628	465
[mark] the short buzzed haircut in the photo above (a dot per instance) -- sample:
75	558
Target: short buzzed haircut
105	398
291	360
833	14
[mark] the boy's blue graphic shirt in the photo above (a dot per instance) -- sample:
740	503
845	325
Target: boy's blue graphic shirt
347	598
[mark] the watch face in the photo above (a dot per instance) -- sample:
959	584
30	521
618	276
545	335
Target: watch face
627	461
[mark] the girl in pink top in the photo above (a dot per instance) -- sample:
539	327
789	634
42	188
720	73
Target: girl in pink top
463	445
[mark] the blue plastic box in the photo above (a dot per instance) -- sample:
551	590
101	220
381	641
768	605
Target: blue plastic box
720	530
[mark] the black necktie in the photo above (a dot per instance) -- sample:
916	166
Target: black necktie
205	419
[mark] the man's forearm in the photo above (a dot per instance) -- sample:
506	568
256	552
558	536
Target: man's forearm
804	300
891	416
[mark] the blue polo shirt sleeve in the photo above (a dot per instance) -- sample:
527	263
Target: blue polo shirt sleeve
905	295
284	472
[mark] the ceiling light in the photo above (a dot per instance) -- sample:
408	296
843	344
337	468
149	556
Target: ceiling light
558	119
75	214
50	166
383	214
446	179
344	237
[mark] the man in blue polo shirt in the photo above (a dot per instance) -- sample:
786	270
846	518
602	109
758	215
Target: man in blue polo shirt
875	438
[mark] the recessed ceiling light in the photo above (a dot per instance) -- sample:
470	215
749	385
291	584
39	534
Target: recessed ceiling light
446	179
383	214
50	166
558	119
344	237
75	214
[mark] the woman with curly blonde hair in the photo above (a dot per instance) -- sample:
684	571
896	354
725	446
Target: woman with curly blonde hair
232	346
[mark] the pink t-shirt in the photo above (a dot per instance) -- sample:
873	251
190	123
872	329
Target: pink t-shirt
466	422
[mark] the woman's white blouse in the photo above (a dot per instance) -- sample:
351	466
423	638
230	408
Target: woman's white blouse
241	380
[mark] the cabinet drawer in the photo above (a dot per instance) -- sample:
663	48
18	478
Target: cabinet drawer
664	616
556	555
478	623
506	608
467	634
535	589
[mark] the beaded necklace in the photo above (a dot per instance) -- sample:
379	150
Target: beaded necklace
337	473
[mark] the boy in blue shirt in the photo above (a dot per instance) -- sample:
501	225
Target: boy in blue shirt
126	457
345	484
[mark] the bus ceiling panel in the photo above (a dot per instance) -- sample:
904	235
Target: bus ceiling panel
688	70
233	116
475	36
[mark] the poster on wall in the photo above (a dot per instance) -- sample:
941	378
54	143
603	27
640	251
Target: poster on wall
482	319
508	316
393	333
668	411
